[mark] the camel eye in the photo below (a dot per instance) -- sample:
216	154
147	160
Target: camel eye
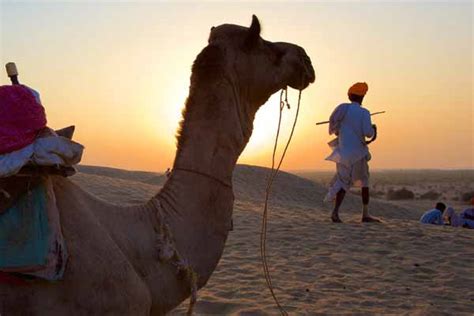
213	28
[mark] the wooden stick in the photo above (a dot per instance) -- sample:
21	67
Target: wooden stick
12	72
371	114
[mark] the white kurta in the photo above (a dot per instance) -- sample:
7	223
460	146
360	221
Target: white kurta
350	152
355	127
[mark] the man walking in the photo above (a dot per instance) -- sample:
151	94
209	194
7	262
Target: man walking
351	123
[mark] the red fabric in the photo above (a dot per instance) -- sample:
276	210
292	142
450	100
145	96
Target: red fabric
6	278
21	118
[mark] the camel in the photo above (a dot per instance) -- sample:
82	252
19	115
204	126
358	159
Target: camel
129	260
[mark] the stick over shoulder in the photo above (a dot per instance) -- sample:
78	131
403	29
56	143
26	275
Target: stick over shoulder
371	114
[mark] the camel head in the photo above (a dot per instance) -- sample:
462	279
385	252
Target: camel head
233	76
259	68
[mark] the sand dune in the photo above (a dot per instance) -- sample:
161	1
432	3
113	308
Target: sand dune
398	267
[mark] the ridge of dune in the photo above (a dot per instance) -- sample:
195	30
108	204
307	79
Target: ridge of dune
117	173
115	190
249	185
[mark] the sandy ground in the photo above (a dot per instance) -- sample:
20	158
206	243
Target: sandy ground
399	267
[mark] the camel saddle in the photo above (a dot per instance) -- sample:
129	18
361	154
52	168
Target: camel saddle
30	176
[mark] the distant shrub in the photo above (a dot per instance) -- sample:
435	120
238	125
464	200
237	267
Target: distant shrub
378	193
430	195
467	196
401	194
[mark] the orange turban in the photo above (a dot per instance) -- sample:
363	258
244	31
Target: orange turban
359	88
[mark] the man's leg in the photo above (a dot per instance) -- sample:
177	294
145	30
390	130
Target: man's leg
365	202
337	189
335	213
365	207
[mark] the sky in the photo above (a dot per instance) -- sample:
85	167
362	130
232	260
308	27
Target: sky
119	71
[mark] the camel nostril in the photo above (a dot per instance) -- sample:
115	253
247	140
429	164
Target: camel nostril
311	71
312	76
308	67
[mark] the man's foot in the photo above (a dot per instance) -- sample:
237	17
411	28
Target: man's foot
371	219
335	218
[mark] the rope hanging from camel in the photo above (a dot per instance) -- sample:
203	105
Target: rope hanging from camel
167	252
273	172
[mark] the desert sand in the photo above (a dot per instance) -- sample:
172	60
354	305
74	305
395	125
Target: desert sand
397	267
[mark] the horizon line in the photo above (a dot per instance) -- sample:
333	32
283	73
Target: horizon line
299	170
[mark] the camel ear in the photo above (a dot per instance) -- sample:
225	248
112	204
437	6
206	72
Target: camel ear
253	33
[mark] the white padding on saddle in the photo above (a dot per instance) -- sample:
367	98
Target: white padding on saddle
47	151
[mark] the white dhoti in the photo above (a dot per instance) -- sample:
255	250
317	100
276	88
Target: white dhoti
357	174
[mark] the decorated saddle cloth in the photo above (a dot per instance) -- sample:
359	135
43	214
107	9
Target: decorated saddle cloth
31	241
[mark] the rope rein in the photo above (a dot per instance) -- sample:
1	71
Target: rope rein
223	182
273	172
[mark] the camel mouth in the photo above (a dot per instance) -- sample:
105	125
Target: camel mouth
304	74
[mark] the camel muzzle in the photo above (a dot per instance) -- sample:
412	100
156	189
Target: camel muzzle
300	62
305	74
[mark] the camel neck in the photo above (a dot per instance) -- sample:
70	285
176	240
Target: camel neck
212	136
210	142
196	202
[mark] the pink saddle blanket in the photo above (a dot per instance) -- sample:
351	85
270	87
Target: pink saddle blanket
21	118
